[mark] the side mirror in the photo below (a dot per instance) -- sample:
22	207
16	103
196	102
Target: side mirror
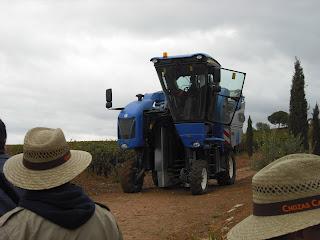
109	95
109	100
109	105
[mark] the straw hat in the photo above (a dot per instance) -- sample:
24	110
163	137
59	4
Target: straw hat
286	199
46	161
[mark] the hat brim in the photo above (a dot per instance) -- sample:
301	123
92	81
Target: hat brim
25	178
255	227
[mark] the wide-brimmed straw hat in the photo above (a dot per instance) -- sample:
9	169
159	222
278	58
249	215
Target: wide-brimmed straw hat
286	199
46	161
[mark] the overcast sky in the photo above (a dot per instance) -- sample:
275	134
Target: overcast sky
58	57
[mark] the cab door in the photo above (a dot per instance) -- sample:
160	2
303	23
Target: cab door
229	98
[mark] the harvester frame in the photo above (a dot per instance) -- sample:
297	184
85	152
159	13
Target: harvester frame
187	133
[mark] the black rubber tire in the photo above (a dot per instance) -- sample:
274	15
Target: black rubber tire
224	177
128	176
196	177
155	178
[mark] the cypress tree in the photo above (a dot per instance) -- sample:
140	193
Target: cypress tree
315	131
298	122
249	138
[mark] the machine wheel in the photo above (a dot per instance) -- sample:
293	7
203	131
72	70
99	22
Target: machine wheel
199	177
228	177
155	178
128	178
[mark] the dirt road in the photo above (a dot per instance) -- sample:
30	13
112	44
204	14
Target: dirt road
173	213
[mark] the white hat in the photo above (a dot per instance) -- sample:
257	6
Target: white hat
286	199
46	161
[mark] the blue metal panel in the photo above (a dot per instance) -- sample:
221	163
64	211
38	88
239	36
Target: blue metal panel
191	133
214	139
218	130
135	110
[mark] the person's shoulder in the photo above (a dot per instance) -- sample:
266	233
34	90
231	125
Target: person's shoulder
103	206
102	211
4	156
21	223
7	223
9	215
17	217
3	159
104	215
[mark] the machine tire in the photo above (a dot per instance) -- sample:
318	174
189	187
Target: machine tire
155	178
228	177
199	177
128	176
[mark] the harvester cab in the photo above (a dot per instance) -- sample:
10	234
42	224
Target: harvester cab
200	94
184	80
186	133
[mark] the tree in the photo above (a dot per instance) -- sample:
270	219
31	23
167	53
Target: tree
298	122
280	118
262	126
315	131
249	138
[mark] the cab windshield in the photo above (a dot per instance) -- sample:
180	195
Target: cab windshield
192	94
186	89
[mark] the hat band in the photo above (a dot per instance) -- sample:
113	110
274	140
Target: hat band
46	165
286	207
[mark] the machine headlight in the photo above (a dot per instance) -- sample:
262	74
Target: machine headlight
124	146
199	57
196	144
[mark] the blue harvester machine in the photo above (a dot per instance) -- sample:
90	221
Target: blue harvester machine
188	132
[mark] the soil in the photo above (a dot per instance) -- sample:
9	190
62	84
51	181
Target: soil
173	213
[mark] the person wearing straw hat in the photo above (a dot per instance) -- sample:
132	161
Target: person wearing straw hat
52	207
8	196
286	201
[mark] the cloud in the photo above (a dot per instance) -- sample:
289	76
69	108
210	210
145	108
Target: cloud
58	57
